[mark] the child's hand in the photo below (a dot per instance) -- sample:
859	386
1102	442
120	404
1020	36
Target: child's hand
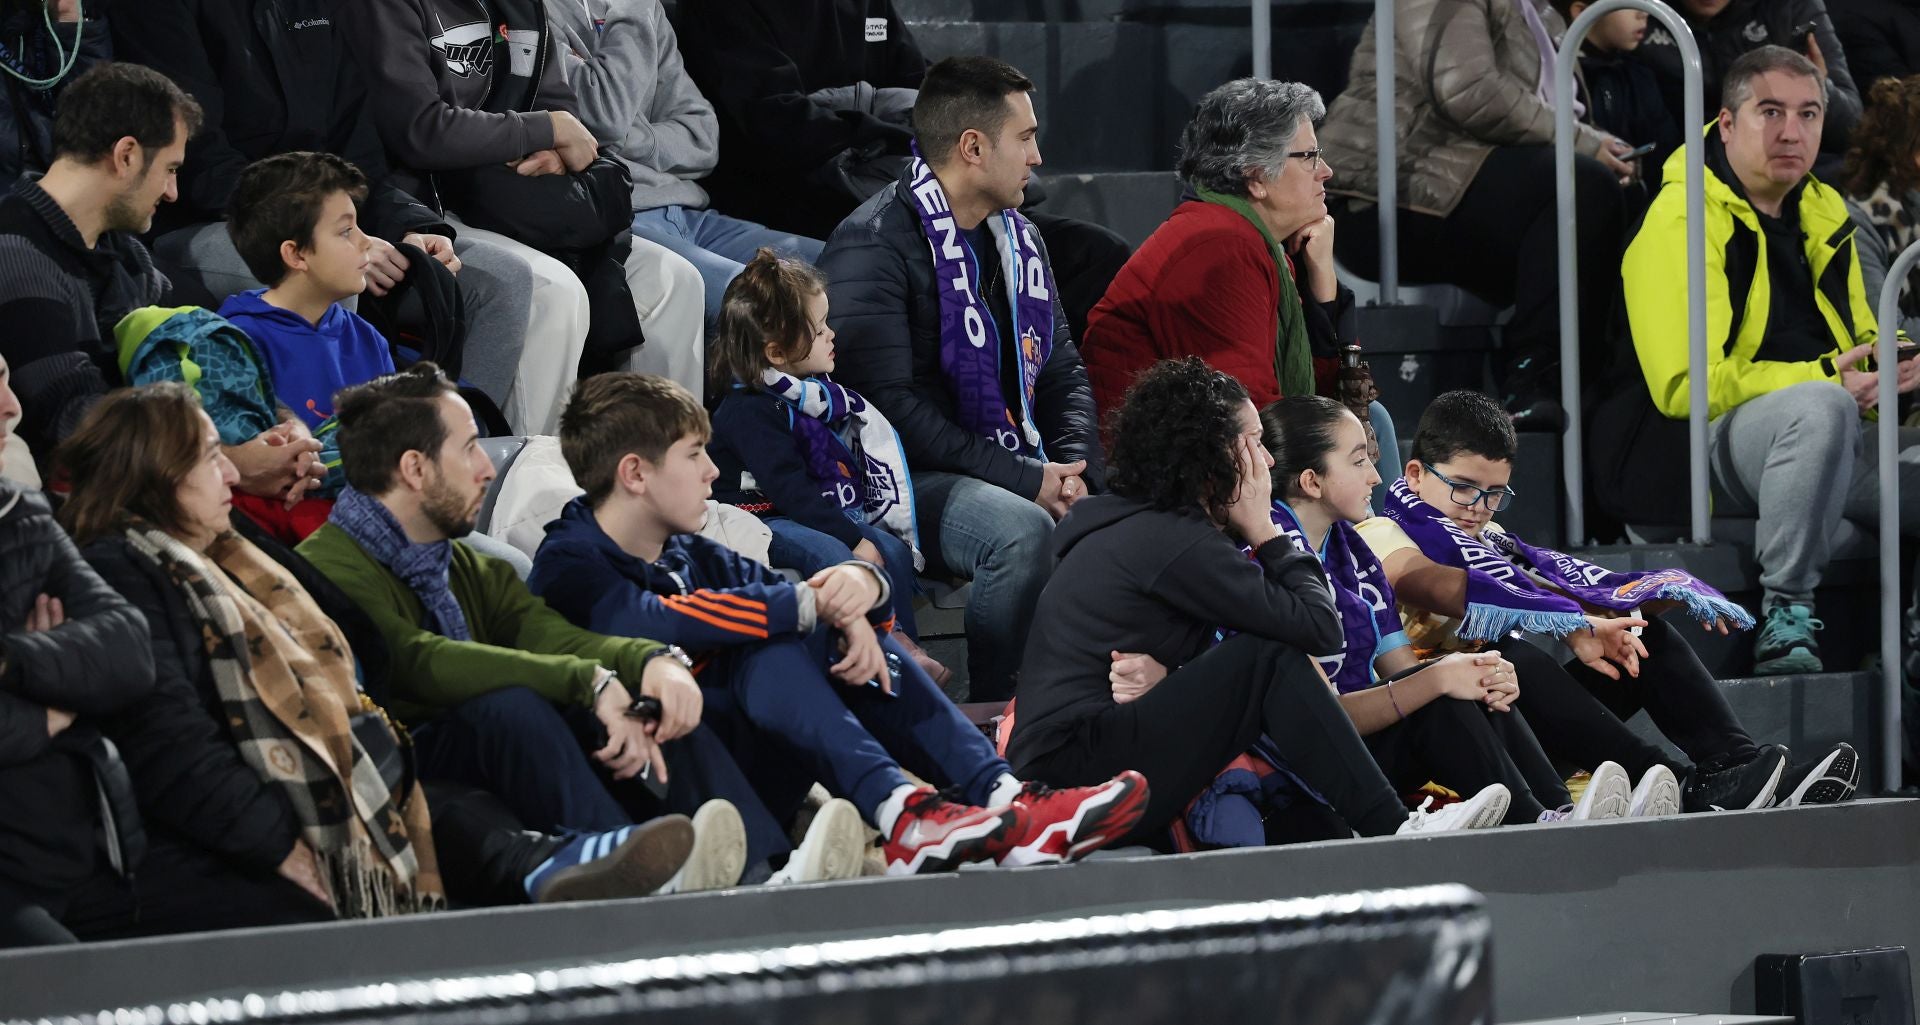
843	593
1610	641
867	551
1133	675
865	660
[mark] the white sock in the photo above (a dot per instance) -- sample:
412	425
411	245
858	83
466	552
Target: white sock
889	811
1004	791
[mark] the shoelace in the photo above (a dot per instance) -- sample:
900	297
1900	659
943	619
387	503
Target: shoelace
1789	620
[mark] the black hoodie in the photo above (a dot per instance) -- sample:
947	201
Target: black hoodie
1128	577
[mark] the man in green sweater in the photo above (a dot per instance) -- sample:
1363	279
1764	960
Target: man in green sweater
501	692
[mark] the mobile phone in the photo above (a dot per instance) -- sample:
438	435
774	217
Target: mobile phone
1904	353
1801	32
652	781
1638	151
893	677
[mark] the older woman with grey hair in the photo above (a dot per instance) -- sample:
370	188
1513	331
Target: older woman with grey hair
1241	274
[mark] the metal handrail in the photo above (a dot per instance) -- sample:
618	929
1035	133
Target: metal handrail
1263	38
1572	454
1387	150
1889	324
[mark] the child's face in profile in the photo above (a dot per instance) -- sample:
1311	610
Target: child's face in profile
819	354
1619	32
1466	471
336	262
678	486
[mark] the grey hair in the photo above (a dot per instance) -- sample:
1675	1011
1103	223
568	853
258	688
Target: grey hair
1242	131
1737	87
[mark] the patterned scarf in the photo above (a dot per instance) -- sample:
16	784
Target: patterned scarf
1360	592
969	339
1502	599
1292	353
884	494
423	568
286	683
1892	219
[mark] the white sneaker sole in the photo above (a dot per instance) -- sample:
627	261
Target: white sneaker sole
719	850
1608	795
835	846
1658	794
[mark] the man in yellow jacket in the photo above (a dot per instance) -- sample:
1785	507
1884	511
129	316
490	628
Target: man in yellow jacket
1789	333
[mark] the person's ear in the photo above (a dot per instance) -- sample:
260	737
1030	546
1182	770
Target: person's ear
1256	188
972	146
126	157
774	355
1573	11
291	256
631	474
1726	125
1413	471
413	469
1309	483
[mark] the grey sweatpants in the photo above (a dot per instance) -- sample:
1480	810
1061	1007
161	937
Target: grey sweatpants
1803	462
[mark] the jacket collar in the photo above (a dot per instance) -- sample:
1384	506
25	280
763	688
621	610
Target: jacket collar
55	217
576	525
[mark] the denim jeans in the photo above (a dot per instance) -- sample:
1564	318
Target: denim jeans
998	540
808	551
717	245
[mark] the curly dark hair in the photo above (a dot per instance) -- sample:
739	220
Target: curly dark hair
1173	439
1886	140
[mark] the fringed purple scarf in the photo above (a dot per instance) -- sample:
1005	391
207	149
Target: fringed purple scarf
1501	599
969	340
869	480
1360	592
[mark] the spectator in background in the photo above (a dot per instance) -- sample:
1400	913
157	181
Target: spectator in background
977	372
1477	195
1229	276
1882	185
38	62
1881	38
635	94
1622	93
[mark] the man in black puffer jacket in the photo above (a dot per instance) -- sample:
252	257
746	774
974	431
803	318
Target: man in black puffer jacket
977	372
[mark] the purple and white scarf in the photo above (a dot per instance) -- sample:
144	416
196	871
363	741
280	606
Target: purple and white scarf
1360	592
969	341
1501	598
882	493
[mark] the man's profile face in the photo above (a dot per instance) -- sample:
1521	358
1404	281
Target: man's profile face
1015	152
133	209
459	474
1775	133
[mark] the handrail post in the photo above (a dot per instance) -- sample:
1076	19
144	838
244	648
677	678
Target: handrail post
1572	456
1889	441
1387	150
1263	38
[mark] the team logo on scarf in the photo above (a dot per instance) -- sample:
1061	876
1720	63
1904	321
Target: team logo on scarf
836	430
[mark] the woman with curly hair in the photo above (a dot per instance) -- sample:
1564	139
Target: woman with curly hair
1152	571
1882	185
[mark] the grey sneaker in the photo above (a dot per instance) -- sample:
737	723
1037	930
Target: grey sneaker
719	852
1608	796
1657	794
1785	645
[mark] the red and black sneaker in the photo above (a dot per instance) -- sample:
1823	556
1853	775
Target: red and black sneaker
934	834
1065	825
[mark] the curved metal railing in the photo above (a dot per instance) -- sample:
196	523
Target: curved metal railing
1889	470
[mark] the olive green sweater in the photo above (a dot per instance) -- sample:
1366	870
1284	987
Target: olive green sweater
517	640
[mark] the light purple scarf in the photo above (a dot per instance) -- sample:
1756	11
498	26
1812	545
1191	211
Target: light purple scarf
1549	55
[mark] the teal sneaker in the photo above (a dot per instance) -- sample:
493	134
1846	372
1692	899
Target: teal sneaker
1786	643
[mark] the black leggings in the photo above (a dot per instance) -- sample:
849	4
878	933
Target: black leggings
1465	747
1579	714
1210	711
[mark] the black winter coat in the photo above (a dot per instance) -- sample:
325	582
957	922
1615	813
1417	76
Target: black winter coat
885	308
94	665
26	112
1882	38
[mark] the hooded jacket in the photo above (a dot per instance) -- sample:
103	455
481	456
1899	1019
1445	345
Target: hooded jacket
26	112
1129	577
310	363
1881	37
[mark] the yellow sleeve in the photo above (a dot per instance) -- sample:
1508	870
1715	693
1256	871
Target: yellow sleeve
1383	536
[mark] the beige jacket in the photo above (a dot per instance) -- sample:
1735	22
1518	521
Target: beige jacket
1466	79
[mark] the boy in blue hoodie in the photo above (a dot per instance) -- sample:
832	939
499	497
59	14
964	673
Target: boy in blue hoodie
624	559
293	220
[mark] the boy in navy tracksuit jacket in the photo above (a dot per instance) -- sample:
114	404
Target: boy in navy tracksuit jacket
799	679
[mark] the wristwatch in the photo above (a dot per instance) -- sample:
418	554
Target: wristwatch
672	651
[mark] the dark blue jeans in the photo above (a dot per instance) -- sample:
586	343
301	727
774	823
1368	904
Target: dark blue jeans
998	540
809	551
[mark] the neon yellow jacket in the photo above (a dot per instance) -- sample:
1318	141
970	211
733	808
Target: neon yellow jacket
1739	298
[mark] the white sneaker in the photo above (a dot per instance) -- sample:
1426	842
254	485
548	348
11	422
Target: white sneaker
719	850
1608	795
835	847
1481	811
1658	794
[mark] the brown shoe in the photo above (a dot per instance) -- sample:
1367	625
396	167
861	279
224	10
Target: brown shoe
939	673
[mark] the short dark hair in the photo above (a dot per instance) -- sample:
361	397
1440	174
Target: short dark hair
279	199
1465	421
127	458
613	414
1737	87
115	100
1298	432
765	303
386	418
959	93
1174	438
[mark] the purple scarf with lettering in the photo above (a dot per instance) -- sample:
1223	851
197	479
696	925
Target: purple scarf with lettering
1360	592
969	338
1502	599
867	480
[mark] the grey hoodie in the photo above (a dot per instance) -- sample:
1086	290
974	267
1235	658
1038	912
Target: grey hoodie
635	96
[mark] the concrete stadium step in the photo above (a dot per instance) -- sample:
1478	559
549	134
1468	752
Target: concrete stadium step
1808	713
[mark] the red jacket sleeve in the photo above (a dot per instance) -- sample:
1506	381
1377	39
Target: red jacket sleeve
1217	300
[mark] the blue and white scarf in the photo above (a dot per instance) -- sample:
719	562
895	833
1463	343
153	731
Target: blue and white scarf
869	481
423	568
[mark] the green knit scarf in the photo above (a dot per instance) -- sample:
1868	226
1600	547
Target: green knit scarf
1292	354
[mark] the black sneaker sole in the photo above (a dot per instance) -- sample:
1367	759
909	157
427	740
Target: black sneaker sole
1831	783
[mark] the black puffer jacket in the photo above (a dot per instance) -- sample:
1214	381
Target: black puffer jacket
94	665
885	308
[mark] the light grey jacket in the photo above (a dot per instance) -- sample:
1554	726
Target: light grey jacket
635	96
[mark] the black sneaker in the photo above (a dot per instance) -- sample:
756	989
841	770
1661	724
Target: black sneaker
1532	397
1828	781
1713	787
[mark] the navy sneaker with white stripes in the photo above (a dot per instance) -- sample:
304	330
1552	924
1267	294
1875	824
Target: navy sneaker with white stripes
632	861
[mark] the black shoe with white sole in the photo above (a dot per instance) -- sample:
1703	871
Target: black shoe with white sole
1828	781
1752	784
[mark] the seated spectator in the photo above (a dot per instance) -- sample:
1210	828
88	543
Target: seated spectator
1882	186
1429	727
1727	29
208	748
1789	333
814	100
501	693
813	459
1621	92
290	83
1464	582
808	682
635	94
1881	38
1477	197
1227	277
978	373
1150	569
42	36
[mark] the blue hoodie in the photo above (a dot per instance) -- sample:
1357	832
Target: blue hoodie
308	363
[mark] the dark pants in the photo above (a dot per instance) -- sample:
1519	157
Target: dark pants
789	723
1211	710
1084	258
485	851
1501	242
1464	747
533	756
1579	714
